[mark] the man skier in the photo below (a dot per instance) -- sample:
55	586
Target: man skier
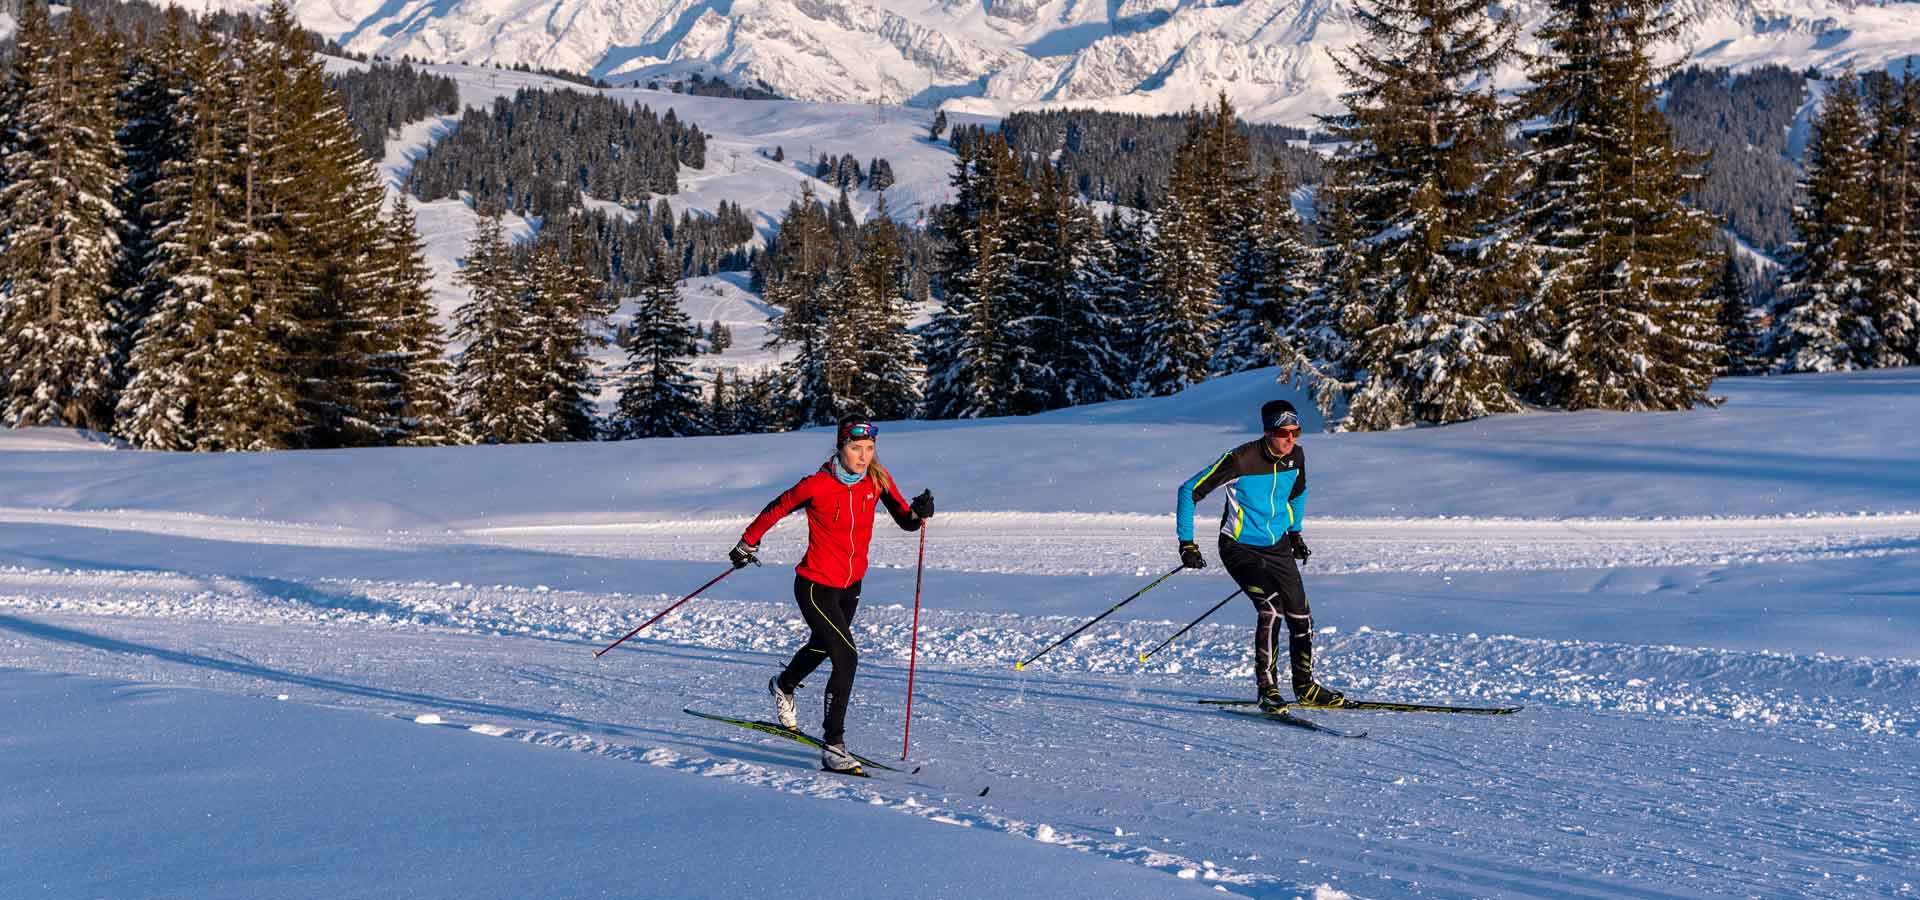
1260	545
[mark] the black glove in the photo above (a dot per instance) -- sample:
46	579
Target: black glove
1190	555
743	553
1298	545
922	505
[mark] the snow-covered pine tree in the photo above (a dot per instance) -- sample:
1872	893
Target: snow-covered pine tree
497	376
1129	232
1425	180
1892	284
1621	321
1268	278
156	133
660	398
966	346
174	398
419	409
720	406
328	199
1740	335
1180	316
887	380
1819	325
60	226
798	276
1076	280
259	401
565	313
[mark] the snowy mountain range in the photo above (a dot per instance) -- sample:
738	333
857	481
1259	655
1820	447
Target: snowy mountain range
1272	57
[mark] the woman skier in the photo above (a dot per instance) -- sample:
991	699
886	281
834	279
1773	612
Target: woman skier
839	498
1260	545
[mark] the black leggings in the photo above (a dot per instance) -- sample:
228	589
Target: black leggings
1272	581
829	612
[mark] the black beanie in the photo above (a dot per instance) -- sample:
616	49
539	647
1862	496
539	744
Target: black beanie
1275	413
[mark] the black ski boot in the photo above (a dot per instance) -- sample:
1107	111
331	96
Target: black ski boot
1314	693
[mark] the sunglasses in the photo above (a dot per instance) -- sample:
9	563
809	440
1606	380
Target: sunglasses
862	432
1285	432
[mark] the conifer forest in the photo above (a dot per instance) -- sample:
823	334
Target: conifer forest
197	251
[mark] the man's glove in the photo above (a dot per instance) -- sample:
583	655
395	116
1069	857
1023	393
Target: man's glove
1298	546
1190	555
922	505
743	553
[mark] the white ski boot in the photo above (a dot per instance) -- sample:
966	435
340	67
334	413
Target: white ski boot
835	758
783	705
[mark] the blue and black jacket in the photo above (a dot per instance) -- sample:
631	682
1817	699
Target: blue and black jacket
1266	494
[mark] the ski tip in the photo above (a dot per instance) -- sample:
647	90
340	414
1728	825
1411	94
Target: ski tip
1143	657
1019	666
984	790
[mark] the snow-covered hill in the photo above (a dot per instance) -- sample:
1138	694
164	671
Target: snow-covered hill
1151	56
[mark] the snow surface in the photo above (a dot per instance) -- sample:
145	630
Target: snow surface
1710	617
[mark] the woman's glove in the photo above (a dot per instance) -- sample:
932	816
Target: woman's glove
922	505
743	553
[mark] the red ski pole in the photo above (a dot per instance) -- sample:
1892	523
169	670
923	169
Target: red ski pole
914	647
663	613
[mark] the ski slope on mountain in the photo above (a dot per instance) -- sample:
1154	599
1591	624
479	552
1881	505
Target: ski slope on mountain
1710	618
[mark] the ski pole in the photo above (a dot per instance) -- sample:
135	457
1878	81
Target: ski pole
663	613
1110	611
914	647
1203	618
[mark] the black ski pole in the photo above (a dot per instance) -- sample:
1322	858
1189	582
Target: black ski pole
1203	618
1110	611
663	613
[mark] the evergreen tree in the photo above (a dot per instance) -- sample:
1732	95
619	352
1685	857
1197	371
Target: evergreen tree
1426	182
1819	326
886	380
660	399
1621	322
968	346
156	134
1268	277
60	226
420	408
1075	321
939	126
801	268
720	406
564	313
197	331
1892	287
1180	319
1740	335
324	199
498	375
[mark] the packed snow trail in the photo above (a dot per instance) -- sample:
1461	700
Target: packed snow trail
1619	779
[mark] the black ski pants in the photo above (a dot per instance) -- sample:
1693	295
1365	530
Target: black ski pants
1271	579
829	612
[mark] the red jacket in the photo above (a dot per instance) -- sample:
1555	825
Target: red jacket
839	523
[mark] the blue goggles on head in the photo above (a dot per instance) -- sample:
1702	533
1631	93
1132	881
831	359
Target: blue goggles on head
859	431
